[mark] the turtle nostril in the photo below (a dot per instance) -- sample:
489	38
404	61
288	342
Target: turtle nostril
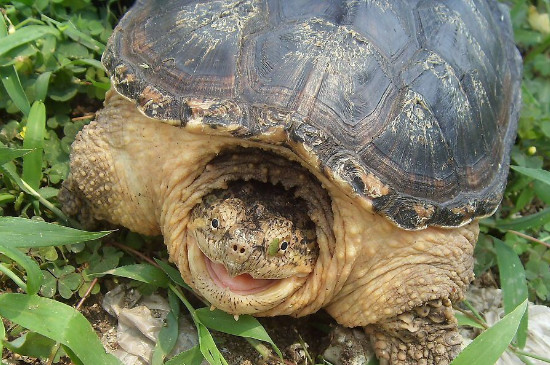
242	250
234	247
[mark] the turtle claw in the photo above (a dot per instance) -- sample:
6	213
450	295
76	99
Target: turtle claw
426	335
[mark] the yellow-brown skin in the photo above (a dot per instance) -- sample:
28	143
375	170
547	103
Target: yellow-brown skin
255	229
148	176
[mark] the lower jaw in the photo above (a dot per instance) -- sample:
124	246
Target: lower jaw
243	284
266	301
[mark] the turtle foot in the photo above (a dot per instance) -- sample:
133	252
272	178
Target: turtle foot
426	335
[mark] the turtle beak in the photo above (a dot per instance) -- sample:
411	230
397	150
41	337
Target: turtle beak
234	269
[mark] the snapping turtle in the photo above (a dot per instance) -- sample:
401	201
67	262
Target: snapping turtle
299	155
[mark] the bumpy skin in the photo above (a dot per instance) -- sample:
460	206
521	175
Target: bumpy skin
424	335
148	176
369	112
255	229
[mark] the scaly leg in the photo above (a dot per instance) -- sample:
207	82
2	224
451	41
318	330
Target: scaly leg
426	335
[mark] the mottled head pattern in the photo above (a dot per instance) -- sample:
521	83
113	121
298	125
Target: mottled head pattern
257	229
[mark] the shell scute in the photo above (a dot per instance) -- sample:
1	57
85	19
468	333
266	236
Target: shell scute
412	104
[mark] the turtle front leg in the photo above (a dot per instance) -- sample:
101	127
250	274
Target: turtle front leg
425	335
112	175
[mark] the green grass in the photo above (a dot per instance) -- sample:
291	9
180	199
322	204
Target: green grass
52	83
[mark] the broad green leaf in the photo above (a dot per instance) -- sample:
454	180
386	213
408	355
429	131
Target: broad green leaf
8	154
2	335
145	273
34	274
172	273
25	35
166	339
68	284
513	283
372	361
174	303
489	346
464	320
21	232
193	356
34	139
65	93
47	192
49	286
12	84
245	326
32	344
537	174
208	346
74	358
527	222
57	321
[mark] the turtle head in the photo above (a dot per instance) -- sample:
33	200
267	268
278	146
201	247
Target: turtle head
251	234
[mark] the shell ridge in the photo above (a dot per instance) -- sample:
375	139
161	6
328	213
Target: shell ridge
318	72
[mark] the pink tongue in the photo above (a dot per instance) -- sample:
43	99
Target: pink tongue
240	284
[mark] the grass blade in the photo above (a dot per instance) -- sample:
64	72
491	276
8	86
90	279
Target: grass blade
8	154
489	346
206	342
13	276
82	38
76	35
537	174
41	85
173	274
21	232
3	27
9	170
10	79
245	326
464	320
523	223
25	35
34	275
34	139
2	336
513	283
57	321
145	273
12	84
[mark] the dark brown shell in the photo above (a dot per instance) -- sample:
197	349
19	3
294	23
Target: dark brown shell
413	103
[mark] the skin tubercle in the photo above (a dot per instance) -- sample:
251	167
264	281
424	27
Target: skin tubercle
163	172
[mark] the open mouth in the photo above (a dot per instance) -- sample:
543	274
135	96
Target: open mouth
243	284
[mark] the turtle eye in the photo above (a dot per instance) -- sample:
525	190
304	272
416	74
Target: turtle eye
284	245
215	223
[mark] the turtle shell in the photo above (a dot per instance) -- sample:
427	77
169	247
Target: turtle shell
413	104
